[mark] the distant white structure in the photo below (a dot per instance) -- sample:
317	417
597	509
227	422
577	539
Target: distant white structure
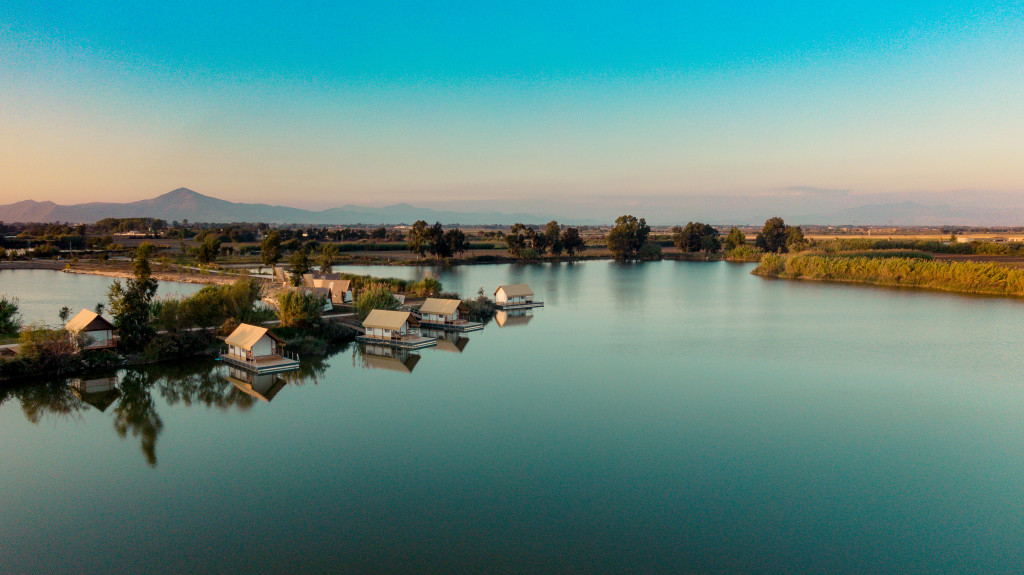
516	295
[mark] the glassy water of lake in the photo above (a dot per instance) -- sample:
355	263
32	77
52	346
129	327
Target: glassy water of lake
659	417
41	293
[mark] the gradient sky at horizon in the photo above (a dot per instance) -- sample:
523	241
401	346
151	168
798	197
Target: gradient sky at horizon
330	103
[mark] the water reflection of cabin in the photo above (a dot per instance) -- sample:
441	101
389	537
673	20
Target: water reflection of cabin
512	317
447	314
263	386
394	328
515	296
447	340
96	332
257	349
99	393
384	357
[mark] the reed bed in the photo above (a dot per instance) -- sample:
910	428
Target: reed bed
952	276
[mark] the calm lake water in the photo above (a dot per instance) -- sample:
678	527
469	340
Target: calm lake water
41	293
658	417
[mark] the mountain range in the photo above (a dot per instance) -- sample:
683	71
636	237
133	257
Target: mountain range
799	208
185	204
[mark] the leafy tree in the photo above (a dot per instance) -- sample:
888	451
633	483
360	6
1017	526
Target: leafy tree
538	241
208	250
375	296
300	265
10	322
297	308
515	239
379	233
64	314
99	308
419	238
735	239
650	251
772	237
553	235
456	242
795	241
436	238
695	237
627	236
270	249
54	349
572	242
130	304
327	258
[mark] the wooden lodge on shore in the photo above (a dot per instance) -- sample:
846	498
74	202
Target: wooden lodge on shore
395	329
95	331
450	314
256	349
516	296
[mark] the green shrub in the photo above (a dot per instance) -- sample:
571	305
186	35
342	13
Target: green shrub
297	308
10	320
744	253
375	296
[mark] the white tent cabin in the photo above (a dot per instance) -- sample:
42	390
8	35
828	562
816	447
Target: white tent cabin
341	290
387	324
322	292
253	342
443	311
96	332
256	348
516	295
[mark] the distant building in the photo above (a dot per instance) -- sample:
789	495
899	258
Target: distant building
96	332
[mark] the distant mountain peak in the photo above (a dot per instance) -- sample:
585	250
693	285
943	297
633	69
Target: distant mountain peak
180	193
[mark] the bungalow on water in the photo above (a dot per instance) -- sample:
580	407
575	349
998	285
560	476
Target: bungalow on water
256	349
447	314
96	332
517	296
395	329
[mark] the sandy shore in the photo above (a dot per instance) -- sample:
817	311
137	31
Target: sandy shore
123	270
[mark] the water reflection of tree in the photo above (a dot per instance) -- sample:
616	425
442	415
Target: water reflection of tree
53	399
135	411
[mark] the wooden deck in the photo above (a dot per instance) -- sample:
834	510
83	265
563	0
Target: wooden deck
406	342
460	325
265	364
520	305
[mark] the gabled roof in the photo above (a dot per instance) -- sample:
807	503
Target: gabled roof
442	306
86	320
515	290
387	319
337	286
245	336
324	292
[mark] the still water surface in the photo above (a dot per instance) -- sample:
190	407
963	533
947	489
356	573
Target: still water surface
659	417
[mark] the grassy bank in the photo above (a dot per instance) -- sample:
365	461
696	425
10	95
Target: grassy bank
959	277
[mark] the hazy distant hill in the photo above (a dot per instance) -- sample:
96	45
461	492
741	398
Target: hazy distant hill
185	204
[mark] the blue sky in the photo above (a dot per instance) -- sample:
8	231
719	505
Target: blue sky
330	103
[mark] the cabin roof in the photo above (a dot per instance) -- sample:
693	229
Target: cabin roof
324	292
245	336
86	320
442	306
515	290
386	319
337	286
